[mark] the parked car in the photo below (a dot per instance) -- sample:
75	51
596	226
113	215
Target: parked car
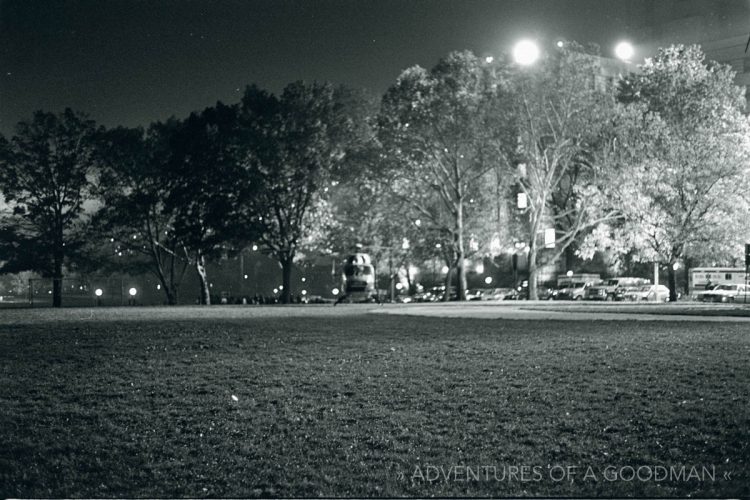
403	299
614	289
437	294
727	293
651	293
474	294
574	291
498	294
316	299
546	293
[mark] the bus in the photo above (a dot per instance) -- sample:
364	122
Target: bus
358	279
700	277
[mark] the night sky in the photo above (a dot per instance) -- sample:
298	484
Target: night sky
132	62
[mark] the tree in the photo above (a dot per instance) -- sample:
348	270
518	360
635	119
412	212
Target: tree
206	186
45	174
296	144
684	193
564	119
134	217
442	131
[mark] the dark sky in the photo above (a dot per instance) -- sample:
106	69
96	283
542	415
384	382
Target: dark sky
131	62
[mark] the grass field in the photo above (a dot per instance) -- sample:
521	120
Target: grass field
316	402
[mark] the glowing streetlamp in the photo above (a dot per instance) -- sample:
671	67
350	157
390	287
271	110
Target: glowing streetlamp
132	292
488	280
525	52
444	270
624	51
335	291
479	268
98	292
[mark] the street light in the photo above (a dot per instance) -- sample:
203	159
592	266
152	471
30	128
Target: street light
488	280
98	292
624	51
525	52
479	268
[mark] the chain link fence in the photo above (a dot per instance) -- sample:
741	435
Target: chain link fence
78	292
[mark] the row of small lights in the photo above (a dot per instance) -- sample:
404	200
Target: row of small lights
132	292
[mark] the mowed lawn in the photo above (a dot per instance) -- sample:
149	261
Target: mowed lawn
356	404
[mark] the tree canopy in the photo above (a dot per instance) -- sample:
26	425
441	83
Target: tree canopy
45	177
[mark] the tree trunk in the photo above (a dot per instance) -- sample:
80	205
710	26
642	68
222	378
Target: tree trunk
169	292
532	270
461	276
392	279
460	267
171	295
448	276
672	278
57	280
200	268
569	257
286	279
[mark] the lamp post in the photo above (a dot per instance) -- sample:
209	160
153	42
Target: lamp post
525	52
624	51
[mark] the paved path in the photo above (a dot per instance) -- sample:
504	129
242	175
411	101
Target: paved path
524	310
576	312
